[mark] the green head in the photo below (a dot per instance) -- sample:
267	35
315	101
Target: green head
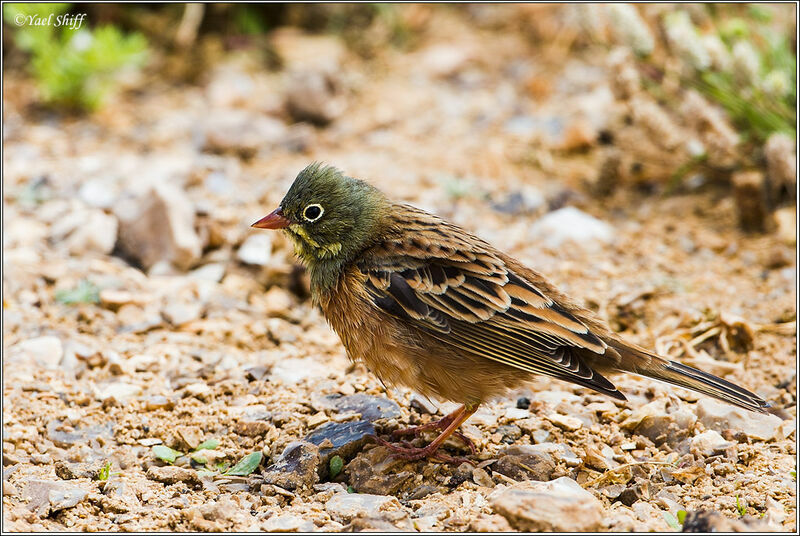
330	217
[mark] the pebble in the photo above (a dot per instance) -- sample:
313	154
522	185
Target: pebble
256	249
295	369
719	416
559	505
314	96
120	391
66	439
172	475
560	452
374	471
46	351
190	436
708	443
570	224
114	299
295	468
45	496
96	233
422	404
180	313
98	193
288	523
565	422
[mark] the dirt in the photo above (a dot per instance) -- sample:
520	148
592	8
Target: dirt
477	124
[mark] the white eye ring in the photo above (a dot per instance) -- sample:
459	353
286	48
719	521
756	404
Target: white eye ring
313	205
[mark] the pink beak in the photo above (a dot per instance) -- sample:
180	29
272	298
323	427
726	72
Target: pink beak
274	220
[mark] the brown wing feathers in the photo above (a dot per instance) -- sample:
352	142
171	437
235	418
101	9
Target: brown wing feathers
463	294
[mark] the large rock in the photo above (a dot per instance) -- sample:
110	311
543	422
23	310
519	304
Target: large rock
159	226
341	439
520	463
559	505
45	497
719	416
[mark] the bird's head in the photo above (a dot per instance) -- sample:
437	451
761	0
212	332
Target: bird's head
329	216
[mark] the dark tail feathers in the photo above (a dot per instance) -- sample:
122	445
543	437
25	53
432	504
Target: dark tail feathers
653	366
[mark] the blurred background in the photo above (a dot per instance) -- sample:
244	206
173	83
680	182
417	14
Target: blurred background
643	157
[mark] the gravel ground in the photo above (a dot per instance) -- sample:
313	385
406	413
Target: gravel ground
141	311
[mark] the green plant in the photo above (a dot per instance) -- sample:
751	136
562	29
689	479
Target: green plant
741	508
166	454
105	472
335	466
85	292
246	465
74	67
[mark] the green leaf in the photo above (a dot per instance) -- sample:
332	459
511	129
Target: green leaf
671	521
205	472
246	465
208	444
794	474
164	453
335	466
351	489
199	457
681	516
85	292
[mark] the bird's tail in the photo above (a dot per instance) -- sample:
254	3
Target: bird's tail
640	361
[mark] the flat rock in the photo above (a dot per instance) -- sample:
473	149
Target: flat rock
295	468
370	407
559	452
45	497
708	443
288	523
719	416
297	369
67	438
240	132
172	475
559	505
179	313
344	507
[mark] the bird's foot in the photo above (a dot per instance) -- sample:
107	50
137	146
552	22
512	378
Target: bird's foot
439	425
406	451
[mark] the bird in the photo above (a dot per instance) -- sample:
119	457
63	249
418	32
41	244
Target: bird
428	305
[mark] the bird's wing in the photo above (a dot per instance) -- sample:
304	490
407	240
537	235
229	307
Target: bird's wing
458	289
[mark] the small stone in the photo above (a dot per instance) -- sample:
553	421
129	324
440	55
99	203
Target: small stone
708	443
276	302
370	407
172	475
98	193
314	96
709	521
559	505
295	369
786	225
256	249
119	391
422	404
515	414
155	402
523	463
571	224
241	132
523	402
46	351
719	416
114	299
179	313
482	478
65	439
190	436
443	61
295	468
214	271
288	523
578	135
559	452
198	390
97	233
149	441
344	507
565	422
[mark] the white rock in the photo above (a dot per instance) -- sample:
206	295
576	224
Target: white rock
179	313
45	351
565	422
214	271
288	523
559	505
120	391
256	249
709	442
345	506
558	451
295	369
515	414
719	416
98	193
571	224
444	60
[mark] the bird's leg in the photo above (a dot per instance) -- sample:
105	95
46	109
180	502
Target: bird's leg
440	425
453	421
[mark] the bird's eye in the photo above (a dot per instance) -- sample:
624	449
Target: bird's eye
313	212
